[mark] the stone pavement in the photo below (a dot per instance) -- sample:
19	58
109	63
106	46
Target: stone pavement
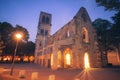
63	74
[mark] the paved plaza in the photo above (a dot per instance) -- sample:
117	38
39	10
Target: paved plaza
63	74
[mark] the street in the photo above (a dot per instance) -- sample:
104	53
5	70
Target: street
63	74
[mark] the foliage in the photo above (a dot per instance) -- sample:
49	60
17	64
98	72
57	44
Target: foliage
109	4
22	31
7	34
116	19
103	28
115	30
5	30
1	45
26	48
29	48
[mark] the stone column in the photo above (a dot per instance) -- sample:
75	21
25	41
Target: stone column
55	49
76	52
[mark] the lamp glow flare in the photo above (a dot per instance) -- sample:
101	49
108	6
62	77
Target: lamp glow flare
19	36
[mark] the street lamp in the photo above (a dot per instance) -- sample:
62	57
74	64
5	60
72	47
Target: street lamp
18	37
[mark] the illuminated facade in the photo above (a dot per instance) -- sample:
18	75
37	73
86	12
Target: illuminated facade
68	47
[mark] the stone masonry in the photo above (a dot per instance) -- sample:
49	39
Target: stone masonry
66	47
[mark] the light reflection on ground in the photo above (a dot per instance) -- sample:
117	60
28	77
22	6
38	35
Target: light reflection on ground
63	74
85	75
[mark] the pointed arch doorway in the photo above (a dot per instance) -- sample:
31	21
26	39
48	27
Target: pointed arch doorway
67	58
86	61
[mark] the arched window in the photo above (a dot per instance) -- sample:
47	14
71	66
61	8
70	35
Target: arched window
43	19
40	44
68	33
47	20
42	31
85	36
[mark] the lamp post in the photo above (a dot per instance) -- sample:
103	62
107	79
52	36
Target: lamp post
18	36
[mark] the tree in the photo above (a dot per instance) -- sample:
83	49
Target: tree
27	48
115	39
1	45
5	31
103	27
22	43
23	31
115	33
109	4
30	48
115	30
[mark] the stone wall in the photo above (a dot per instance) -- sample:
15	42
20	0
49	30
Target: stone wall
74	39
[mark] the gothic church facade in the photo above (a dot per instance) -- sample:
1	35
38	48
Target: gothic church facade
67	47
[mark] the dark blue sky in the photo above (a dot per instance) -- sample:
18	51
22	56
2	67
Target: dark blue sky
26	12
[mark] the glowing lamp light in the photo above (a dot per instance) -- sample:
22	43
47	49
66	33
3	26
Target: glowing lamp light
86	61
19	36
25	59
31	58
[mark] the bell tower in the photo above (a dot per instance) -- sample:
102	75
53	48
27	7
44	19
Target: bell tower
44	24
43	32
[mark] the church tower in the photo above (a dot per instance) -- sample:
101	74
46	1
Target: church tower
43	32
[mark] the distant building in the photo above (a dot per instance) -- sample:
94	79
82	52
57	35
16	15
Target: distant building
113	58
68	46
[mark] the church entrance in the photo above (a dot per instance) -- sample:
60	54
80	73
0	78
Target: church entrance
86	60
67	58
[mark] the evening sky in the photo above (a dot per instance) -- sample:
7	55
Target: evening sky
26	12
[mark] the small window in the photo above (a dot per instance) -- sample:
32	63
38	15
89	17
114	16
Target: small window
68	33
46	32
85	36
43	19
42	32
40	44
47	20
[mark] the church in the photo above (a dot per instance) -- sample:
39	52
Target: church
72	46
